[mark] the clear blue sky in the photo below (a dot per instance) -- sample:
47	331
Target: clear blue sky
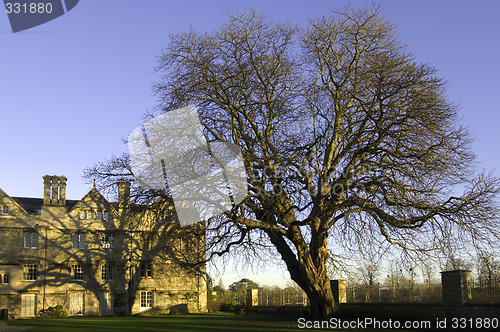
71	89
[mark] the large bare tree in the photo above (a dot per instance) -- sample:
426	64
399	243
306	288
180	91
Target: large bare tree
345	137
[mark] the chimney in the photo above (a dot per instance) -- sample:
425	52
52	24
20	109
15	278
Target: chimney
123	193
54	190
47	179
62	190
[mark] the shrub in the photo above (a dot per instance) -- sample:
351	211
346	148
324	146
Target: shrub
227	307
214	305
54	312
179	309
157	310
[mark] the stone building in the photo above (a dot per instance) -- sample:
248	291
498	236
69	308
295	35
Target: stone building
96	257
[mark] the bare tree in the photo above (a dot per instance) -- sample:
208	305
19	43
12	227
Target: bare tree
343	134
371	264
488	269
454	256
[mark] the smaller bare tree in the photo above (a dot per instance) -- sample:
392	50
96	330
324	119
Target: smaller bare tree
488	270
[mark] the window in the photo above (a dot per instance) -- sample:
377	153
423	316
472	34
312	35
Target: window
87	214
107	240
30	240
76	303
100	215
77	271
6	278
146	270
106	303
181	245
78	240
5	210
29	271
165	218
107	272
146	299
28	305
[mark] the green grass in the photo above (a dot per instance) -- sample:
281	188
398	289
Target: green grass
193	322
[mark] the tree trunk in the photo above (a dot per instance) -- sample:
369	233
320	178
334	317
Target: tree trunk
321	302
308	270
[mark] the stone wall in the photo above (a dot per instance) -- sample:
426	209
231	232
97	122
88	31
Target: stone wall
431	312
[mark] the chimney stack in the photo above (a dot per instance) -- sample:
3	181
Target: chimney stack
54	190
123	193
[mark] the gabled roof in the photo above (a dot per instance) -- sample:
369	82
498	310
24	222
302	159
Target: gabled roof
93	196
33	205
131	206
2	193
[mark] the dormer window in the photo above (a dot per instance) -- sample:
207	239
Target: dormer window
86	214
165	218
89	214
102	215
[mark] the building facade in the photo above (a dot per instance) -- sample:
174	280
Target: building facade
95	257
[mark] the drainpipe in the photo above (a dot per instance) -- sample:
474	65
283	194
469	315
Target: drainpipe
45	270
44	265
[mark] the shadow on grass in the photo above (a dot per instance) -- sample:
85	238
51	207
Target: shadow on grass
192	322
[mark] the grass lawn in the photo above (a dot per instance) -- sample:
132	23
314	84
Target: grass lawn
192	322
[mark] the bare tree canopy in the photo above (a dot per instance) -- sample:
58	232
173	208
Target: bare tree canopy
345	136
